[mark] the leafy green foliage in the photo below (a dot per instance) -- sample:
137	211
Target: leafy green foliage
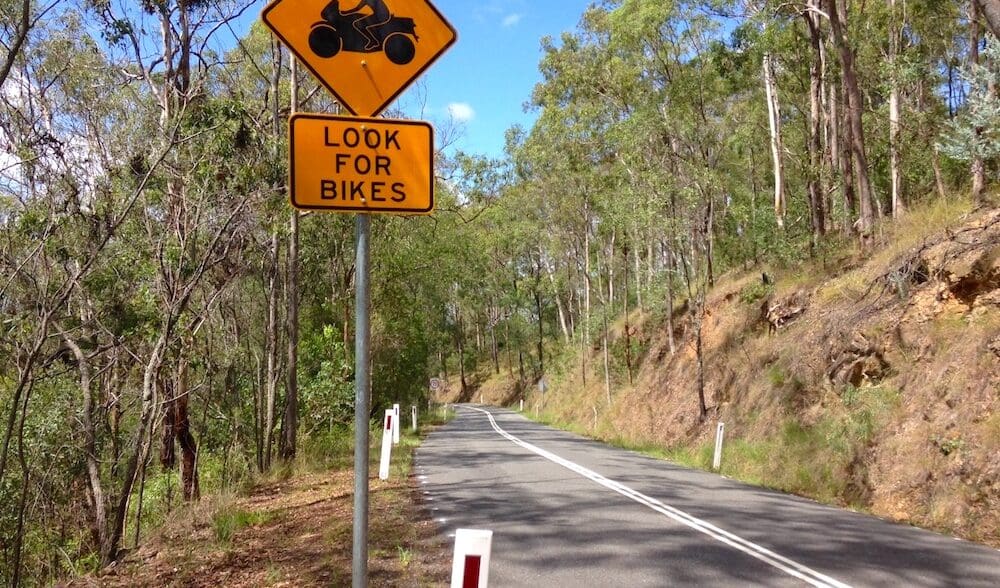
976	133
227	522
145	219
755	292
326	377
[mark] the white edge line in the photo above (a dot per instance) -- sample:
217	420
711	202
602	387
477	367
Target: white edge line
784	564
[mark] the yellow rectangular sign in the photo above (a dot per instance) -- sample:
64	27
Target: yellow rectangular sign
342	164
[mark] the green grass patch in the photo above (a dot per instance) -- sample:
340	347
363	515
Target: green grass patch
405	556
227	522
331	449
755	292
818	460
777	376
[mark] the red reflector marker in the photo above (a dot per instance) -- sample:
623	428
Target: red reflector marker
472	564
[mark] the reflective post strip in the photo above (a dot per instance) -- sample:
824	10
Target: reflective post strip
471	566
395	426
471	577
719	432
387	429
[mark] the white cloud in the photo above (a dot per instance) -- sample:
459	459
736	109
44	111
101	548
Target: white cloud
70	153
461	112
512	20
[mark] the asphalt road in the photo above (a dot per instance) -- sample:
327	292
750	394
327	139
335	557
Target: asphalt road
567	511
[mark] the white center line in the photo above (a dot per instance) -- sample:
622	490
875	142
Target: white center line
790	567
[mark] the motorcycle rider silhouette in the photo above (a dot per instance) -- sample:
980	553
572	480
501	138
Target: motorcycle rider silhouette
379	16
359	31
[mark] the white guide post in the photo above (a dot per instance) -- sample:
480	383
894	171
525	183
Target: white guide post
719	432
395	424
413	413
522	406
387	427
471	566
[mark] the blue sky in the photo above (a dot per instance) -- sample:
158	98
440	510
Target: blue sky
485	79
490	73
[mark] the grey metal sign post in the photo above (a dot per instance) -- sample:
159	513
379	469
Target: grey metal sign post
385	77
362	400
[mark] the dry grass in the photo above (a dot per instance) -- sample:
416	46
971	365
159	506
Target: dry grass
295	532
922	223
898	237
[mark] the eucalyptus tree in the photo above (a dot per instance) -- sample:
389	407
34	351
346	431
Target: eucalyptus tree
990	9
20	18
839	24
72	191
567	157
628	63
121	130
973	136
975	37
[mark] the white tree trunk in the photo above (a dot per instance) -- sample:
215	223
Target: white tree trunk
638	280
290	423
271	342
895	157
90	447
774	120
559	305
586	276
611	271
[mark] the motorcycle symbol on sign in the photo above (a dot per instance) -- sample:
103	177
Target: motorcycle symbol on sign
358	32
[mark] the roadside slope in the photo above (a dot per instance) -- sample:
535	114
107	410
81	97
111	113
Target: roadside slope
875	387
292	532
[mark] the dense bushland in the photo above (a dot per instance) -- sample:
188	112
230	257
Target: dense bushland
169	328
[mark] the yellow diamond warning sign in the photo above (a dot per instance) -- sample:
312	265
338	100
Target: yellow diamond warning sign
366	55
361	165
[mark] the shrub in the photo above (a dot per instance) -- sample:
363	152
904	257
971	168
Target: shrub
227	522
755	292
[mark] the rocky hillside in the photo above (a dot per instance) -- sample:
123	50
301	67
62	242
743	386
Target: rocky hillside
870	382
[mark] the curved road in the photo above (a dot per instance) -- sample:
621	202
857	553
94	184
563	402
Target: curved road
567	511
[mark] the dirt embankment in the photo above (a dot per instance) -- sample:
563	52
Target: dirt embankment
291	533
876	388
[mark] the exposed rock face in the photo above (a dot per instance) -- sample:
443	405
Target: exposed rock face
860	361
978	282
966	264
778	312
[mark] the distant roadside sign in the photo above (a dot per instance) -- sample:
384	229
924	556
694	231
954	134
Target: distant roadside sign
435	384
346	164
